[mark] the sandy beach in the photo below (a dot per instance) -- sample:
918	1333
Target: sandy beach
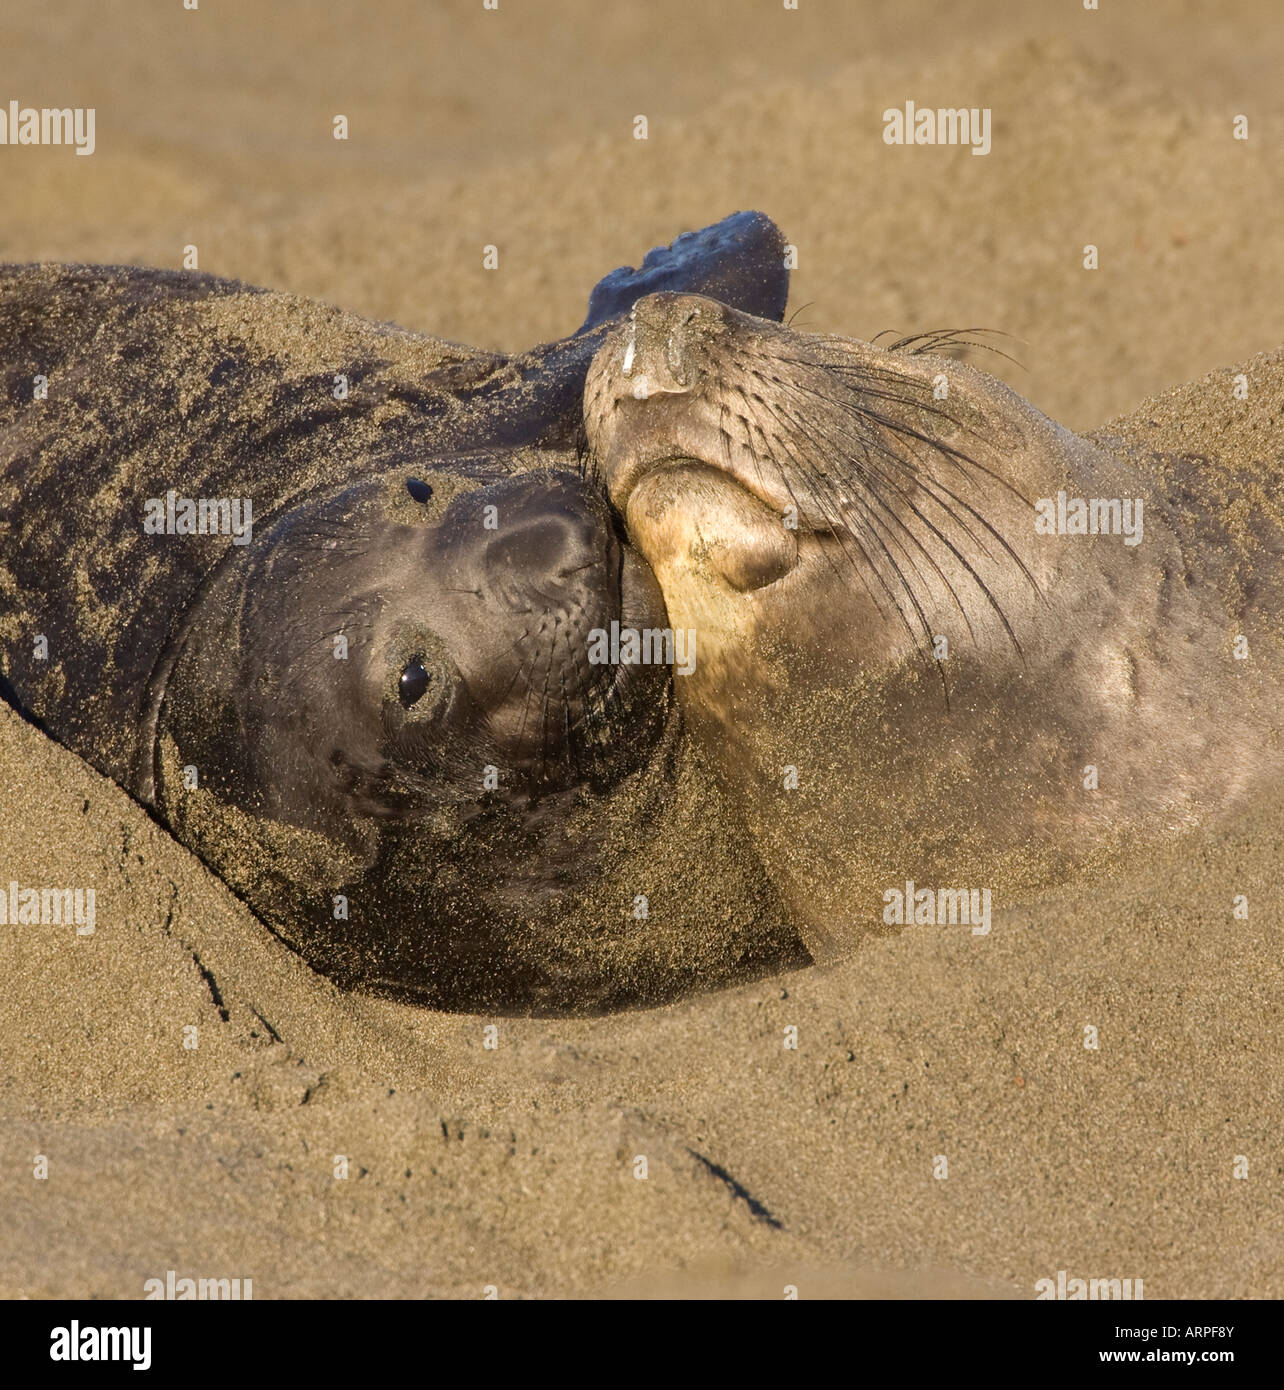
514	1166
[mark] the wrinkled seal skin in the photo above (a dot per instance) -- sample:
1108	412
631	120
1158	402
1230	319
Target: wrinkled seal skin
914	518
376	720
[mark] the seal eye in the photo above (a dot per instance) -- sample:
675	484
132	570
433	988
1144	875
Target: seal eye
414	682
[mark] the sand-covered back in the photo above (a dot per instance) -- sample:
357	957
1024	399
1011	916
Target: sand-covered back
514	1166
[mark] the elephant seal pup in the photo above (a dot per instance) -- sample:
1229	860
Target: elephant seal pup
321	593
949	652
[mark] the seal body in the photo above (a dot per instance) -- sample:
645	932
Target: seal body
917	673
320	593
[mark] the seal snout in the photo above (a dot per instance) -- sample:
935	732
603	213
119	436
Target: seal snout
646	397
554	548
554	545
662	345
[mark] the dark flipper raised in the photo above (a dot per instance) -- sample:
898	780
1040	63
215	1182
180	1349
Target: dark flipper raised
739	261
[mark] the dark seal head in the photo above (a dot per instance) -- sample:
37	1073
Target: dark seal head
369	702
389	655
910	669
384	710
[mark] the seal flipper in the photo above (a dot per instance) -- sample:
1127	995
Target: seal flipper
739	261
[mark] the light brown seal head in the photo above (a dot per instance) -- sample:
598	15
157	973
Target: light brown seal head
941	640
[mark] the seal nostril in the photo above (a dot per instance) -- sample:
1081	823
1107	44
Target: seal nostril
418	489
553	545
567	571
674	357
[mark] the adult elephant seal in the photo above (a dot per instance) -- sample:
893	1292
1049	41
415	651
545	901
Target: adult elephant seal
949	652
321	594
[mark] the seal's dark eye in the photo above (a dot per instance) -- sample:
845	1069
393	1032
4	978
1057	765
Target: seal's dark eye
414	681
